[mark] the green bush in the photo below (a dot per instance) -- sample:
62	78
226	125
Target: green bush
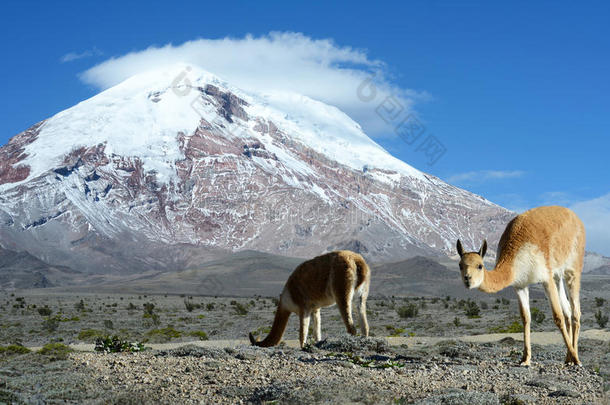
167	333
472	310
201	335
601	319
51	324
514	327
408	311
537	315
80	306
14	349
114	344
149	307
240	309
90	335
456	321
599	302
55	351
45	311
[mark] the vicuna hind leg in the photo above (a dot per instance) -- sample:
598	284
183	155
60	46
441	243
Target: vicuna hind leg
567	314
573	282
344	302
364	325
524	308
553	295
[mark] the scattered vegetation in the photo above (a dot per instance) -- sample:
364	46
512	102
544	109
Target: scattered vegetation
55	351
471	309
45	311
599	302
13	349
199	334
537	315
90	335
393	331
514	327
164	334
457	322
601	318
408	311
114	344
240	309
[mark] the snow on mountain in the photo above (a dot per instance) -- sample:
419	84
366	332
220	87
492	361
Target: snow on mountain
176	157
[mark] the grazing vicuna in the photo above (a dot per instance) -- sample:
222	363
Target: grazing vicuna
543	245
321	282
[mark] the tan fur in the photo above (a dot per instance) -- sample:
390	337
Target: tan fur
543	245
321	282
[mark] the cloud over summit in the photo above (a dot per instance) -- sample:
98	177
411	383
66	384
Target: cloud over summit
279	61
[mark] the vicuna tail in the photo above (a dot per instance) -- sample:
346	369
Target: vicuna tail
277	330
363	272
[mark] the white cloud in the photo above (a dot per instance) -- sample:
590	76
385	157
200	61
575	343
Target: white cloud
72	56
320	69
595	214
484	175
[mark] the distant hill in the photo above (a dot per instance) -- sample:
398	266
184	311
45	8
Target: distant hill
22	270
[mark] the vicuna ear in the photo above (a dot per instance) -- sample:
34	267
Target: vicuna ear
483	249
460	249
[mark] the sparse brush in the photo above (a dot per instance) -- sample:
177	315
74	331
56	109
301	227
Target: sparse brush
471	309
240	309
55	351
45	311
537	315
114	344
599	302
601	318
456	321
80	306
149	307
408	311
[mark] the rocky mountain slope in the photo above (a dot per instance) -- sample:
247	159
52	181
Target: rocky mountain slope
173	167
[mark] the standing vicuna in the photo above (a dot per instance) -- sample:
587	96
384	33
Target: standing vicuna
543	245
321	282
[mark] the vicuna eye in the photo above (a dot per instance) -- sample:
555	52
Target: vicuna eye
480	267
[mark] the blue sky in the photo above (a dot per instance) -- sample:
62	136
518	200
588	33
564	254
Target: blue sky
518	93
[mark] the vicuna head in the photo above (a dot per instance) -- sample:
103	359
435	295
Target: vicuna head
472	266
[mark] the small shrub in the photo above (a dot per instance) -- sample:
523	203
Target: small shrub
472	310
457	322
114	344
80	306
201	335
108	324
599	302
393	331
505	301
14	349
408	311
167	333
149	307
484	305
55	351
190	305
240	309
51	324
210	306
131	307
45	311
601	319
537	315
515	327
89	335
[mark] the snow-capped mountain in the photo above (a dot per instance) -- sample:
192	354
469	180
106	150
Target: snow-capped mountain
174	164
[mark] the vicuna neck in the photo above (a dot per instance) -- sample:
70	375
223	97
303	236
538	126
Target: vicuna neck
497	279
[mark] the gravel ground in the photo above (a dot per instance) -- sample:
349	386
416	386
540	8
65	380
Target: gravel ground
340	370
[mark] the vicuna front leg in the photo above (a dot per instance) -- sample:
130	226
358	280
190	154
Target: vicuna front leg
524	307
304	327
317	326
553	295
573	282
